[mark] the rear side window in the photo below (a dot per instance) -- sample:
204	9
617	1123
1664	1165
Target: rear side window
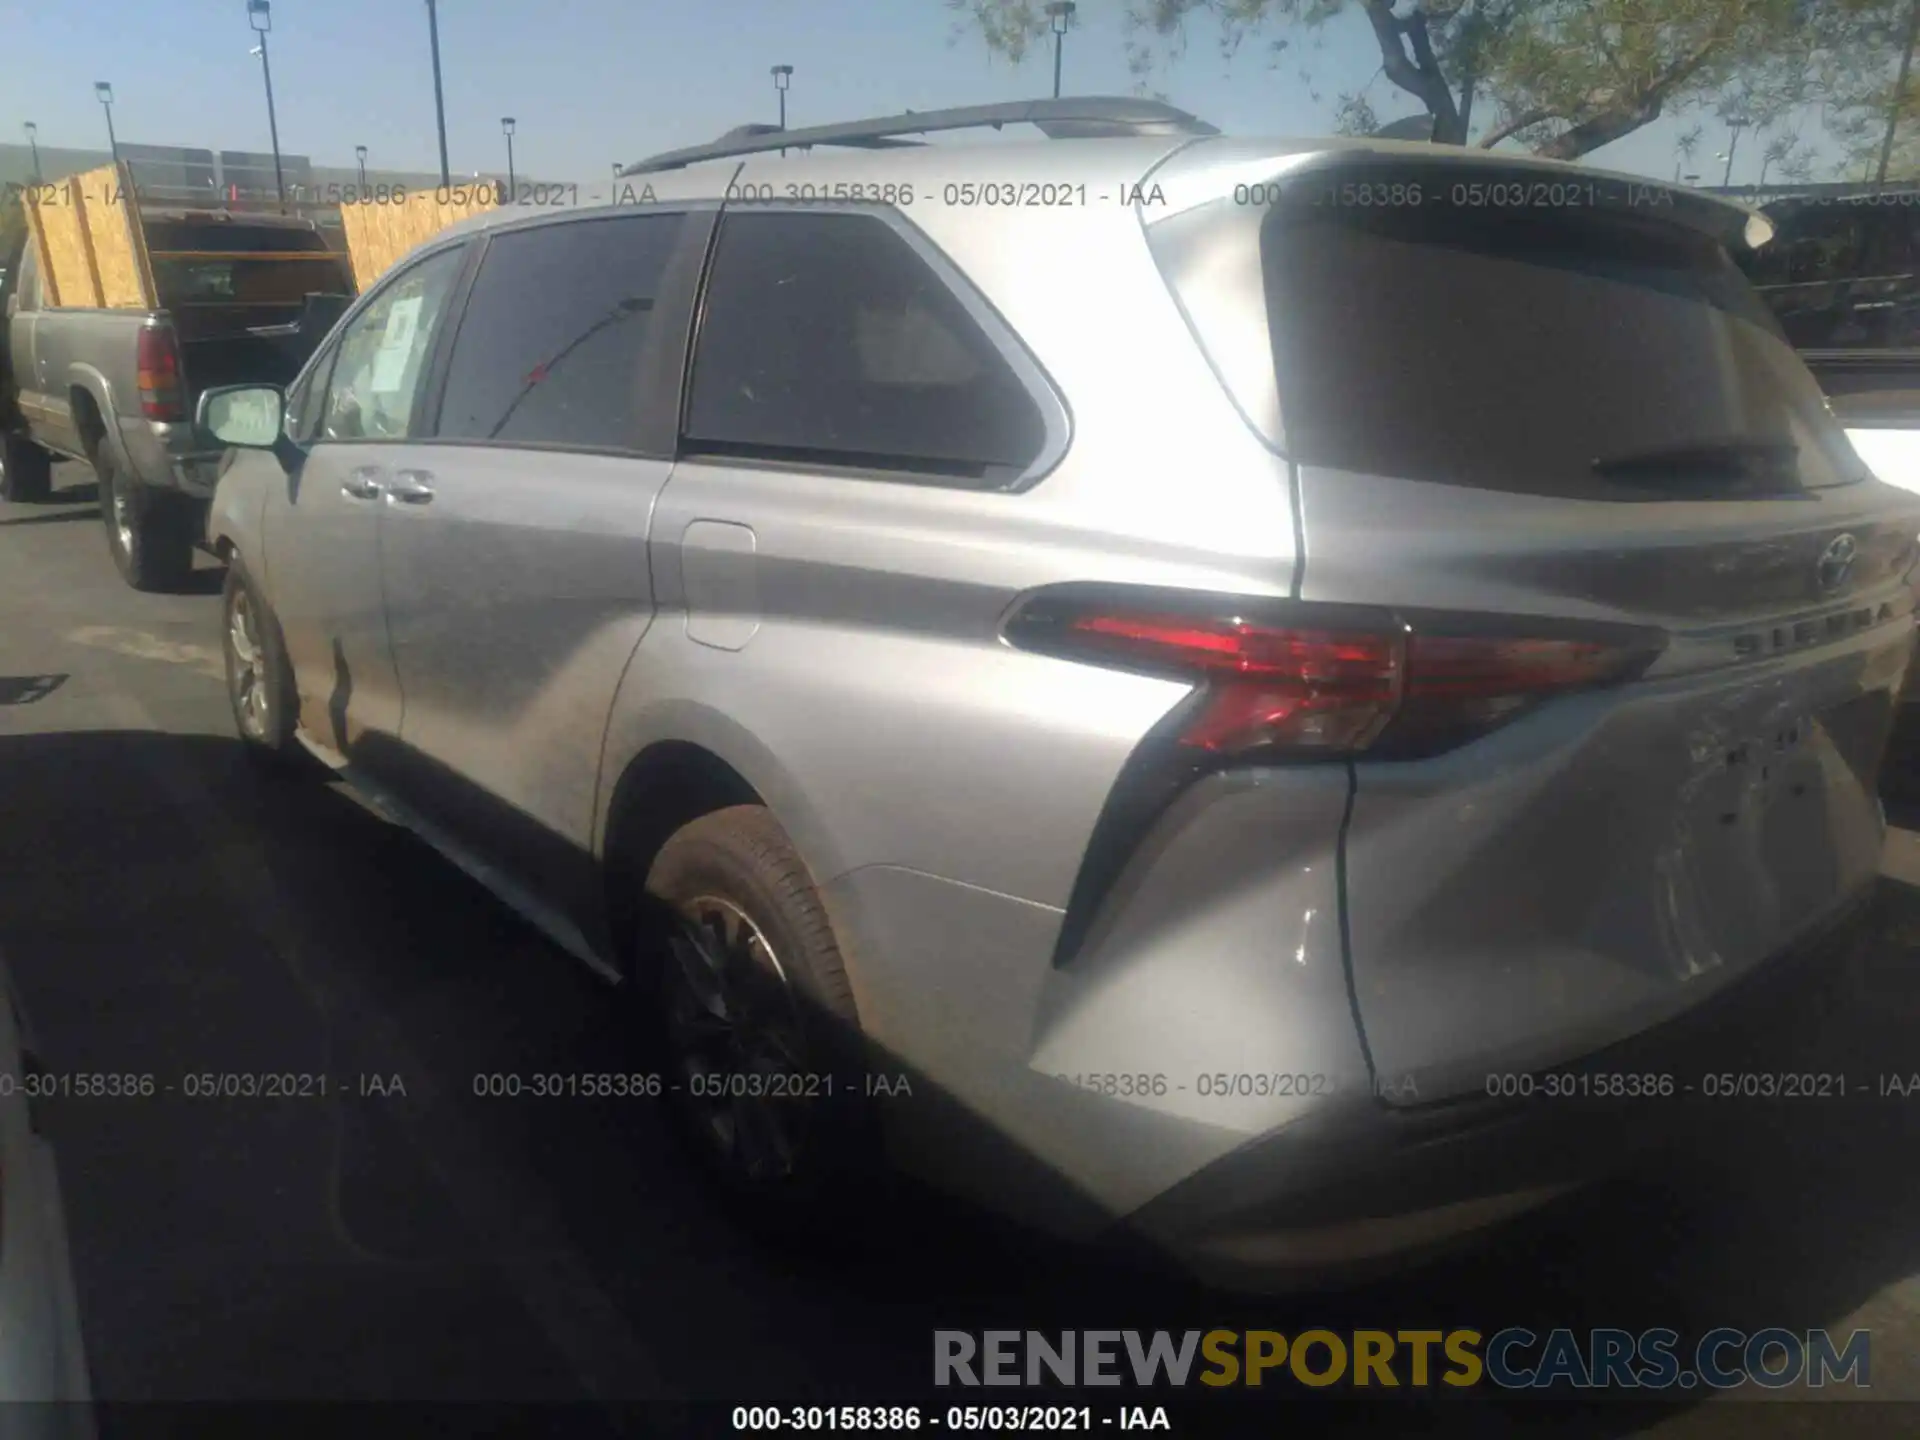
828	339
548	352
1513	348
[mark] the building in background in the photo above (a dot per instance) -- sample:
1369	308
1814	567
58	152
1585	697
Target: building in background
248	175
181	175
171	173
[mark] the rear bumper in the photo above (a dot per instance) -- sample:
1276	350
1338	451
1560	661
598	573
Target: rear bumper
167	457
1353	1189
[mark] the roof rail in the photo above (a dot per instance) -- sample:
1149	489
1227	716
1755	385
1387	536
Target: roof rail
1079	118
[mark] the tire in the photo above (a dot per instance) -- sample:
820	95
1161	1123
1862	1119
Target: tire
736	867
149	532
260	689
26	471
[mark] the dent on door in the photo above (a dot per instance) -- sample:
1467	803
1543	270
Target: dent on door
718	563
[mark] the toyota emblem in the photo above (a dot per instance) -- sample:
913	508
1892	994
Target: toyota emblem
1836	562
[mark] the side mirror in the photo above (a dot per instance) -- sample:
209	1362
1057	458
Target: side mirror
249	417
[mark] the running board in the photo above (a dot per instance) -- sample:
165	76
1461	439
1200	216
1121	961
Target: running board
543	917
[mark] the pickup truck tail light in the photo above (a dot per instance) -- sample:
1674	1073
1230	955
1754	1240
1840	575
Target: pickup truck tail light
158	364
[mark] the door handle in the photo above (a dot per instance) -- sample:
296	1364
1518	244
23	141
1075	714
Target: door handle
364	483
411	487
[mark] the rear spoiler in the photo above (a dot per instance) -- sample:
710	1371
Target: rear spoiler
1731	223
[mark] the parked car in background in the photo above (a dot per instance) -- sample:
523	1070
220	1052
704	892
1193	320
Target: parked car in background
1843	276
1220	677
241	298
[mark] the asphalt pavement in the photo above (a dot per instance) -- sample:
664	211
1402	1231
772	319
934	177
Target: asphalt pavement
165	910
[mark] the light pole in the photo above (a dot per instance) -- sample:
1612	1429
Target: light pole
782	77
33	140
1061	14
360	156
506	129
104	93
439	97
260	16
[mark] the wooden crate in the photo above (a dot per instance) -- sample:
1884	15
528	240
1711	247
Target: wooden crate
380	234
93	246
92	251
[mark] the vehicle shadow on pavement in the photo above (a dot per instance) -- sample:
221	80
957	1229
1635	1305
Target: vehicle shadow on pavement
209	577
73	484
47	517
168	909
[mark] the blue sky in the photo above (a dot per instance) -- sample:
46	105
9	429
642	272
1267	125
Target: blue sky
594	81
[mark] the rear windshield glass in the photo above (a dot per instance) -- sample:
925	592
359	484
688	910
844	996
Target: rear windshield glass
247	282
227	235
210	263
1512	348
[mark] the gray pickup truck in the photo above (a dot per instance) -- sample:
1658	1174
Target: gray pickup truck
242	298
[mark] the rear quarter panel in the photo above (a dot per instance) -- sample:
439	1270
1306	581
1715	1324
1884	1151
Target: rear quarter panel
939	785
90	351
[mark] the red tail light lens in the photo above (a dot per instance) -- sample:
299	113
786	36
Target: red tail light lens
1304	680
157	362
1313	689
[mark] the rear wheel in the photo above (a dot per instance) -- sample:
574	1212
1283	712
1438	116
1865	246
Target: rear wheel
26	471
149	532
755	1020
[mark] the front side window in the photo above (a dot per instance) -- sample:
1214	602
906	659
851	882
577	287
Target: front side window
383	353
548	350
829	339
303	409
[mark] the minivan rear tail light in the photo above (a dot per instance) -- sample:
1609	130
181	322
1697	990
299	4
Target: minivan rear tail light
1296	680
157	365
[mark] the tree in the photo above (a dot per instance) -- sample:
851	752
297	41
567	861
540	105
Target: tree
1778	149
1564	77
1684	148
1860	85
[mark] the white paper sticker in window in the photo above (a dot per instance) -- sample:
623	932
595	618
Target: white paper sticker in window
396	346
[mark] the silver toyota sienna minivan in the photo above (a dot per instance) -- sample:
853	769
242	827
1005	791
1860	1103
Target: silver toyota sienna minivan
1266	700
